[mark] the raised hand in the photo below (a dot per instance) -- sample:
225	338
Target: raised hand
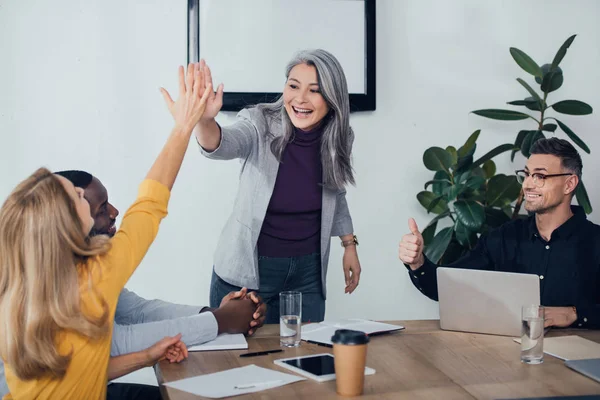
410	250
214	102
193	97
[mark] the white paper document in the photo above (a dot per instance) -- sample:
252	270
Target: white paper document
570	347
234	382
223	342
323	331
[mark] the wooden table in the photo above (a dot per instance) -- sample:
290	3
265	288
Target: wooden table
421	362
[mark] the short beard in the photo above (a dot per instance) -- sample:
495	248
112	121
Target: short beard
541	210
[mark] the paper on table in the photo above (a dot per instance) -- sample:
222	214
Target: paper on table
570	347
223	384
322	332
223	342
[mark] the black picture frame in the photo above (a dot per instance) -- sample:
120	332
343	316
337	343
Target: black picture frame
235	101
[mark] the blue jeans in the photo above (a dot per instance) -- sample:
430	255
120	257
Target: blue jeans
302	274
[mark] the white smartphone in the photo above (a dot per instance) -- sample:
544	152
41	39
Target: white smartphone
319	367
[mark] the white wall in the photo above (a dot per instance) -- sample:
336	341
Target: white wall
79	89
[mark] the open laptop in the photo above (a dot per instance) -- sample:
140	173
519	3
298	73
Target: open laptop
484	301
589	367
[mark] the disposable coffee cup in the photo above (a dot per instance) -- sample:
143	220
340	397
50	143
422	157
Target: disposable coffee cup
350	357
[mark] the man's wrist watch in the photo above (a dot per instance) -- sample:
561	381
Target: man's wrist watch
351	242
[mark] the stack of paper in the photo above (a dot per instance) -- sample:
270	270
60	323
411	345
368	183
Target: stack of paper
234	382
223	342
323	331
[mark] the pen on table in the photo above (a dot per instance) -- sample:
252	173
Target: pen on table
320	344
260	353
252	385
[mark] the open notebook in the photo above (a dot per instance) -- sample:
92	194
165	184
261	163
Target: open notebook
223	342
323	331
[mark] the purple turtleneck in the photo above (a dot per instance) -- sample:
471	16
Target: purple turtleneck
292	225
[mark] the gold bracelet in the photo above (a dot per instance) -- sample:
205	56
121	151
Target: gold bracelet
353	241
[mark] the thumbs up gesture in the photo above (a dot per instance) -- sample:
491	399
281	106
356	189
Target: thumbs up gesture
410	250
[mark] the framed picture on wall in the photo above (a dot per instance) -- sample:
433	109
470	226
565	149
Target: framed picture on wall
248	43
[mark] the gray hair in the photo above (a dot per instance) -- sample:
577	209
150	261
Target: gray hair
336	143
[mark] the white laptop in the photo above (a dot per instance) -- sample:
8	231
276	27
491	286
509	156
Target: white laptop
484	301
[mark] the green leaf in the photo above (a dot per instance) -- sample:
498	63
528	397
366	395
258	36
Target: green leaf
438	217
518	143
553	80
437	159
532	92
549	127
489	167
427	198
478	171
573	136
560	54
434	203
470	213
428	233
454	191
462	176
525	62
436	181
440	185
439	244
572	107
503	115
582	198
475	182
469	146
452	151
495	217
464	235
529	102
502	190
494	152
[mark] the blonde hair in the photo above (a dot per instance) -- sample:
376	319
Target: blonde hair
43	252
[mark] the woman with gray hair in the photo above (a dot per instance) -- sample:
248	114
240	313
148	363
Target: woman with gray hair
291	200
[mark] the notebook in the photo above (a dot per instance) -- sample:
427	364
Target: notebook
570	347
223	342
323	331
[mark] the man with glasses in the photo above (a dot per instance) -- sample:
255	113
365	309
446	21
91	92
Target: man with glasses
556	242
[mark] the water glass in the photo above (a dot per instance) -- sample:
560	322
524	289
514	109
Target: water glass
290	318
532	334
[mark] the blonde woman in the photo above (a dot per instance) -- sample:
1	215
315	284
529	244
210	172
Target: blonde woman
58	287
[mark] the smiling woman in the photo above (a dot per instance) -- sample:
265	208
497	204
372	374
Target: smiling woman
292	196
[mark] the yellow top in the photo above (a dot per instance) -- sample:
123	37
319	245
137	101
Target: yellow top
86	376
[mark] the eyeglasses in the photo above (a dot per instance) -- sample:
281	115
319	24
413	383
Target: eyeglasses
538	179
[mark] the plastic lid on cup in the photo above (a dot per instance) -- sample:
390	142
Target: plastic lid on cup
349	337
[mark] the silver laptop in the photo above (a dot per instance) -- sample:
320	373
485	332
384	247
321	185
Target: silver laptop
484	301
589	367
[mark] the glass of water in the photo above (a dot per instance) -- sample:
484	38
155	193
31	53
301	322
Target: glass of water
290	317
532	334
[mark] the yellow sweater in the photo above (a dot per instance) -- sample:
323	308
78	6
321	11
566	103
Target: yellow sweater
86	376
